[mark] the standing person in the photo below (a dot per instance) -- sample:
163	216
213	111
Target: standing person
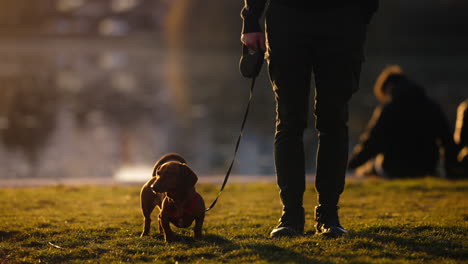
406	131
326	38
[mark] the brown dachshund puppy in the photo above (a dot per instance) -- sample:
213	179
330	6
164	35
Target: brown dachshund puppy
172	189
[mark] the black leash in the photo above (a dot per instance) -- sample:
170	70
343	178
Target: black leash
252	84
250	65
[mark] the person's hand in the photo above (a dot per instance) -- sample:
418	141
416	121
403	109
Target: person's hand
254	40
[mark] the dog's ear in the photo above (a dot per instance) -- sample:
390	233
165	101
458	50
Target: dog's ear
155	168
166	158
189	177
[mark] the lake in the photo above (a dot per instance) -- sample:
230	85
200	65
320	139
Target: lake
109	108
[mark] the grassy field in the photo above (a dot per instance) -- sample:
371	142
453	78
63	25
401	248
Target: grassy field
402	221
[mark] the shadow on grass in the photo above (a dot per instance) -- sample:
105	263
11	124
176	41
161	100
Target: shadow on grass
275	254
434	241
218	240
195	249
8	234
268	251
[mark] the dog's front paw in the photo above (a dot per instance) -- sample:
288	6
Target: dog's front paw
197	236
144	234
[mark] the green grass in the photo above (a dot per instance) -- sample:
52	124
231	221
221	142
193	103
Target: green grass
401	221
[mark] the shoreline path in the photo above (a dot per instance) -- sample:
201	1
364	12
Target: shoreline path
109	181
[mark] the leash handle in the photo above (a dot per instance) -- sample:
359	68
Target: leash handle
252	84
251	62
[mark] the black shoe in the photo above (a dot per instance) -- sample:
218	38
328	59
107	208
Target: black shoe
291	224
284	231
328	222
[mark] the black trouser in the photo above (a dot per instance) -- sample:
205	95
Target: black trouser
329	43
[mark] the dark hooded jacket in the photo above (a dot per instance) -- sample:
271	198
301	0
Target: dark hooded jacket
253	9
408	131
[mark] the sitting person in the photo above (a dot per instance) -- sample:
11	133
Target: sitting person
461	139
406	131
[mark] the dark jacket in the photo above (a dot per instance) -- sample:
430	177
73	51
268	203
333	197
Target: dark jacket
408	131
253	9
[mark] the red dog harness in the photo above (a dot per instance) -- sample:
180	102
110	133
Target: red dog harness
187	211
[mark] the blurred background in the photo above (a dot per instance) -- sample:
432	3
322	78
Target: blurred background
103	88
